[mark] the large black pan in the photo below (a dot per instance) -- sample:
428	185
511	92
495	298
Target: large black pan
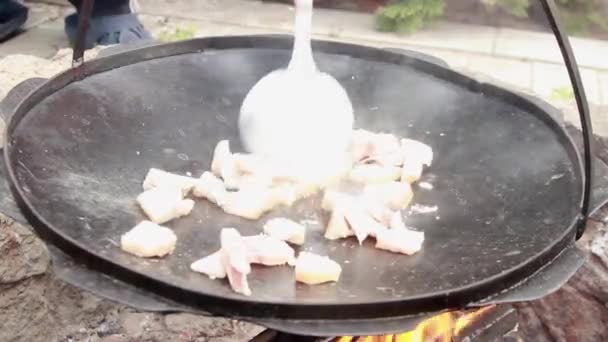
507	177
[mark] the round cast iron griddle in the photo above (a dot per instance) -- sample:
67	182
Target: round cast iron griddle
506	177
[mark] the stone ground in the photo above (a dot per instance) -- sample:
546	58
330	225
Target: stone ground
31	297
37	307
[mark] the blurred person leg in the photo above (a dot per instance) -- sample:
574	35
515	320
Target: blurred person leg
12	16
112	22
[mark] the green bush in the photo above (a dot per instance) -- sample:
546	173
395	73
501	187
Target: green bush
407	16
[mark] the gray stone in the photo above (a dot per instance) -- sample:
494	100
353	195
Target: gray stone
23	254
211	327
40	42
542	47
135	323
40	13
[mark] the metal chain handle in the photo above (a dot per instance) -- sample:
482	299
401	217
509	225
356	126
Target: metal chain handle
583	108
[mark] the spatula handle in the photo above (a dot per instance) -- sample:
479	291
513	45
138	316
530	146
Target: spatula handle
301	58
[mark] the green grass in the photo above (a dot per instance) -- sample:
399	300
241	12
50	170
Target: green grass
564	93
178	34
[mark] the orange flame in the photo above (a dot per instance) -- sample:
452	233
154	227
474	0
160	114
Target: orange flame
440	328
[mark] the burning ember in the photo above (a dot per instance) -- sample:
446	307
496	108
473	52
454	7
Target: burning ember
440	328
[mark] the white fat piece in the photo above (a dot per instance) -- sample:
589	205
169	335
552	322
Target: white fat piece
148	240
235	260
162	205
337	227
313	269
395	195
373	174
211	266
268	251
251	203
210	187
417	152
157	178
286	230
221	153
404	241
361	222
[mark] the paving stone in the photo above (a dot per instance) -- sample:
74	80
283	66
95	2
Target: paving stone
40	13
161	27
540	46
331	23
551	78
40	42
515	73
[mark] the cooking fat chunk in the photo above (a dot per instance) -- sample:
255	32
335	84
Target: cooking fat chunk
313	269
268	251
211	266
395	195
286	230
235	260
148	240
164	204
402	241
157	178
210	187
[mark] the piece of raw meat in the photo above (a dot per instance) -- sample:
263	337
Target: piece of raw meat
361	222
362	146
376	148
411	172
224	165
148	240
332	196
395	195
379	212
286	230
234	258
337	227
374	173
416	152
210	187
404	241
164	204
268	251
313	269
221	154
211	266
157	178
251	203
396	221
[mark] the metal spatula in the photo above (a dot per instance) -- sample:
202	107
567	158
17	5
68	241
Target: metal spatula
298	112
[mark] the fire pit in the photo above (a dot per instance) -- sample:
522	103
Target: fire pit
501	157
492	323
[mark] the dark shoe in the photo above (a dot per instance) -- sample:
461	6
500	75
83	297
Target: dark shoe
12	16
108	30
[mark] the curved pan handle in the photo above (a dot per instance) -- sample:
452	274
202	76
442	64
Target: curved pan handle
583	108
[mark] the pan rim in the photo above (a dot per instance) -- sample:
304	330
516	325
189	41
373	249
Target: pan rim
267	309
